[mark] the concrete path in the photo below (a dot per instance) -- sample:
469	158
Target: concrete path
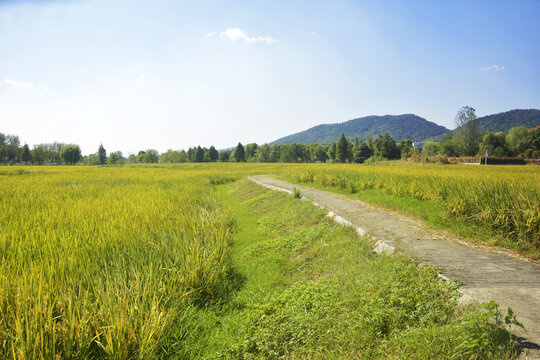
486	274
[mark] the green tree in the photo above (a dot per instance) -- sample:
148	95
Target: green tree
191	154
3	154
293	153
318	153
263	153
198	155
224	155
342	149
102	154
116	158
299	152
287	155
26	157
518	139
213	154
239	153
152	156
534	140
356	142
369	141
405	148
466	131
52	152
313	151
132	159
38	155
275	153
332	151
431	148
173	156
494	143
141	157
362	152
250	150
449	147
386	147
206	156
70	154
9	149
91	159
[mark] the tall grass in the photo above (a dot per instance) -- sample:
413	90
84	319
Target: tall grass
505	198
96	262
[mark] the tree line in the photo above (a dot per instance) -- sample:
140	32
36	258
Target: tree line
519	141
53	153
469	140
342	151
466	141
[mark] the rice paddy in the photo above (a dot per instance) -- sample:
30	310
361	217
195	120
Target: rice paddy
95	261
100	262
503	198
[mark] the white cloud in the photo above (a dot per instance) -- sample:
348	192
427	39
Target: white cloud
209	35
141	77
24	85
239	35
492	68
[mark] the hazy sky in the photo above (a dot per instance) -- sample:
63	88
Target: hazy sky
172	74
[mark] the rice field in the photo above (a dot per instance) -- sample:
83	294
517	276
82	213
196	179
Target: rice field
504	198
98	262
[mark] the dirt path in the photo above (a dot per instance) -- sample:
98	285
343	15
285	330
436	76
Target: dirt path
511	281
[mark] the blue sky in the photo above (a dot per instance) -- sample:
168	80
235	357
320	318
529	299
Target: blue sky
173	74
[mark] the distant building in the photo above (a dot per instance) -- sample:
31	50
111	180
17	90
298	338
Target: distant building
417	144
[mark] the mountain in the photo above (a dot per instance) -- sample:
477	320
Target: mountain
529	118
407	126
505	121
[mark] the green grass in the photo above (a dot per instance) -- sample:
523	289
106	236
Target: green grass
303	287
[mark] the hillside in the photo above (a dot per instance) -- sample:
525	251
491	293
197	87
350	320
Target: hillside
502	122
505	121
407	126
